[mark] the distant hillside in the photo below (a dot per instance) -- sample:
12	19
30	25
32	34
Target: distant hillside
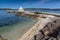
6	9
31	9
43	8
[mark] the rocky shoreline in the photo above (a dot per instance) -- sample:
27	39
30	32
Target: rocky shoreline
47	28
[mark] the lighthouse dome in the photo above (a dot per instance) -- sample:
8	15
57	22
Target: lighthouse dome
21	9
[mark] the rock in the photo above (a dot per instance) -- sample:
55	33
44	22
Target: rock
39	36
52	38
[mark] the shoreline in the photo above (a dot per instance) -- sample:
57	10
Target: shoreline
28	32
35	28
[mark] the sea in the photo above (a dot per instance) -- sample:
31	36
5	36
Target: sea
12	27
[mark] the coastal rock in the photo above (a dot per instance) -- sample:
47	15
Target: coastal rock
45	29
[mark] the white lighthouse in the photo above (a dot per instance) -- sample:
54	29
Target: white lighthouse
21	9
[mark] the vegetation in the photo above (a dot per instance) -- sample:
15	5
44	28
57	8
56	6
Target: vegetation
30	9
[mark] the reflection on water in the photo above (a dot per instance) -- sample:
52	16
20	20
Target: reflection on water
13	27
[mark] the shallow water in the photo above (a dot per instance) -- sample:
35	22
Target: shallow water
13	27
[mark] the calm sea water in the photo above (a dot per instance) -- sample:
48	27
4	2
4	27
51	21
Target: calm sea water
13	27
45	10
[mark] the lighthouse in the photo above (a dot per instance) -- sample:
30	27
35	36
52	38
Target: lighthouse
21	9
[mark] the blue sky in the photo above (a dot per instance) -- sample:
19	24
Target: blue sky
30	3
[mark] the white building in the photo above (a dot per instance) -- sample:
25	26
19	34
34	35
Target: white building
21	9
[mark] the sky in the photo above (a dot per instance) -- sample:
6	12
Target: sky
15	4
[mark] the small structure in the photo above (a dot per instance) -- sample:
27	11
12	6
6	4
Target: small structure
20	9
10	11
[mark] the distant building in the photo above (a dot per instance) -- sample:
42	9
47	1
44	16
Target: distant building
20	9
